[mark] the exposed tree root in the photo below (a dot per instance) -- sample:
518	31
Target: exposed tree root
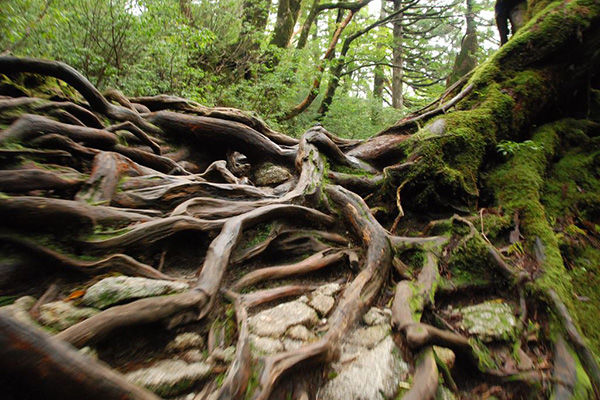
116	262
196	303
124	155
312	263
60	371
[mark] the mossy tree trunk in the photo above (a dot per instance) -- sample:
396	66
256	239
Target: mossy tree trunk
466	59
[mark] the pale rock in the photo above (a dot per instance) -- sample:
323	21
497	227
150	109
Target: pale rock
89	352
184	341
170	377
300	332
20	309
261	346
194	355
377	316
291	344
275	321
303	299
117	289
226	355
369	336
328	290
323	304
447	356
62	315
489	321
269	175
373	375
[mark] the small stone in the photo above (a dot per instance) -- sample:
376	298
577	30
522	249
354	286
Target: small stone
275	321
369	337
194	355
269	174
170	377
300	332
437	127
374	374
261	346
62	315
226	355
89	352
290	344
185	341
20	309
489	321
376	316
303	299
328	290
447	356
323	304
117	289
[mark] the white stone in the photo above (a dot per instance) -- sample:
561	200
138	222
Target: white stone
291	344
117	289
323	304
62	315
226	355
447	356
170	377
328	290
489	321
300	332
184	341
376	316
261	346
373	375
275	321
20	309
269	174
369	337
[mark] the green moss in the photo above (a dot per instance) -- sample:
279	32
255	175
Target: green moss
517	185
258	235
570	191
470	263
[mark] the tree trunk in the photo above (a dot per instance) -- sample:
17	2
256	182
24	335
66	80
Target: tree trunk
288	12
466	59
398	59
378	72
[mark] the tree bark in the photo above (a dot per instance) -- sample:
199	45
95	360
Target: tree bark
398	59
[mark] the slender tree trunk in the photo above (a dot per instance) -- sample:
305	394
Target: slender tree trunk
329	54
310	19
288	12
398	59
466	59
378	73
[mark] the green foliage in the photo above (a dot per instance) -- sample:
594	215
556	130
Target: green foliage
508	148
213	56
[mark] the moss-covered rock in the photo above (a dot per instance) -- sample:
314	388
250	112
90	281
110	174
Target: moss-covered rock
489	321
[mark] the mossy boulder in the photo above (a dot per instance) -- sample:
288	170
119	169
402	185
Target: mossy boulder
115	290
489	321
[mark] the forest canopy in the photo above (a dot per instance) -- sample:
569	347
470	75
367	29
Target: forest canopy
300	200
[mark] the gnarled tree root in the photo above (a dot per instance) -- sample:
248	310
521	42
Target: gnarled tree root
60	371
